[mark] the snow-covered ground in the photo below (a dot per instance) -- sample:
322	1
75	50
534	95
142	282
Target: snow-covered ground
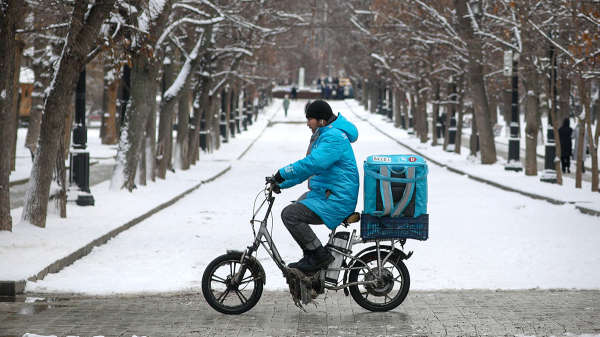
481	237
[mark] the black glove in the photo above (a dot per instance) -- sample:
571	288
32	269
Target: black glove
276	189
278	178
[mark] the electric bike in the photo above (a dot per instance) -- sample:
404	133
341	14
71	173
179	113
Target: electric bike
376	276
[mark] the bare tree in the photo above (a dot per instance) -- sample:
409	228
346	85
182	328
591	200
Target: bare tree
81	46
475	77
9	16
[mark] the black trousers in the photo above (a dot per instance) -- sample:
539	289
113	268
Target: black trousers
297	218
566	163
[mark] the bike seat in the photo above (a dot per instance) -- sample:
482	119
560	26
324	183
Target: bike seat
352	218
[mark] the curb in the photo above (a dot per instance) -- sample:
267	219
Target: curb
26	180
13	288
18	182
506	188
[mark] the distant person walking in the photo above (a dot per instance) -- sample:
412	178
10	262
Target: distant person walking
294	93
286	104
566	145
585	145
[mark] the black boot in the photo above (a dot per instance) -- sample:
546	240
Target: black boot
305	256
318	258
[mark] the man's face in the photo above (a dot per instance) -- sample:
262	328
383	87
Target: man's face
313	124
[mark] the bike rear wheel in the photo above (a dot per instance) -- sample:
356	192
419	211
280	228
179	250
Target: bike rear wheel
392	287
220	290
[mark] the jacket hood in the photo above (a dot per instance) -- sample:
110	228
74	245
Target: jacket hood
341	123
567	123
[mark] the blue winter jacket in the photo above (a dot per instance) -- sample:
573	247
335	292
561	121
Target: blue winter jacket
330	166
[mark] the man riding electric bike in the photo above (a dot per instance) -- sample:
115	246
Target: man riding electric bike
333	183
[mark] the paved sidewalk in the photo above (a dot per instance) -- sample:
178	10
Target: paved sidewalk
438	313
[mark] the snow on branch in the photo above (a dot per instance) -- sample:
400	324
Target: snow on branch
56	26
175	24
249	25
439	18
552	41
512	23
211	5
434	40
591	56
387	66
472	18
495	38
382	60
234	50
290	16
365	12
179	83
588	18
359	26
192	9
156	8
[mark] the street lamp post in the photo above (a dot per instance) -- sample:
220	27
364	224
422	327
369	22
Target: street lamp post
80	158
514	147
549	174
452	128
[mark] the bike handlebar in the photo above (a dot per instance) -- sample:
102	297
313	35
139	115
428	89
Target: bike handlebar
273	185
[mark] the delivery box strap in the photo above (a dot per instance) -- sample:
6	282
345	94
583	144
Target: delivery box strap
386	194
395	180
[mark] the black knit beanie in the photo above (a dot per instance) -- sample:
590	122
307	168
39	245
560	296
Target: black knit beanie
319	110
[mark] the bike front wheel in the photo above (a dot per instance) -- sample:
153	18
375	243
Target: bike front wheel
223	293
391	285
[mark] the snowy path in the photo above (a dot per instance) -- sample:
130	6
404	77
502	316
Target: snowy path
481	237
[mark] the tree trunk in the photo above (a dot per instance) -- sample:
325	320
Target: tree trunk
109	107
215	103
200	108
19	46
459	120
436	112
150	144
532	113
227	109
397	109
564	109
9	13
552	114
195	120
174	94
422	111
42	81
165	124
405	113
494	109
181	145
450	108
365	93
354	86
585	103
208	115
84	27
374	97
143	76
59	196
475	76
473	140
580	153
413	116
